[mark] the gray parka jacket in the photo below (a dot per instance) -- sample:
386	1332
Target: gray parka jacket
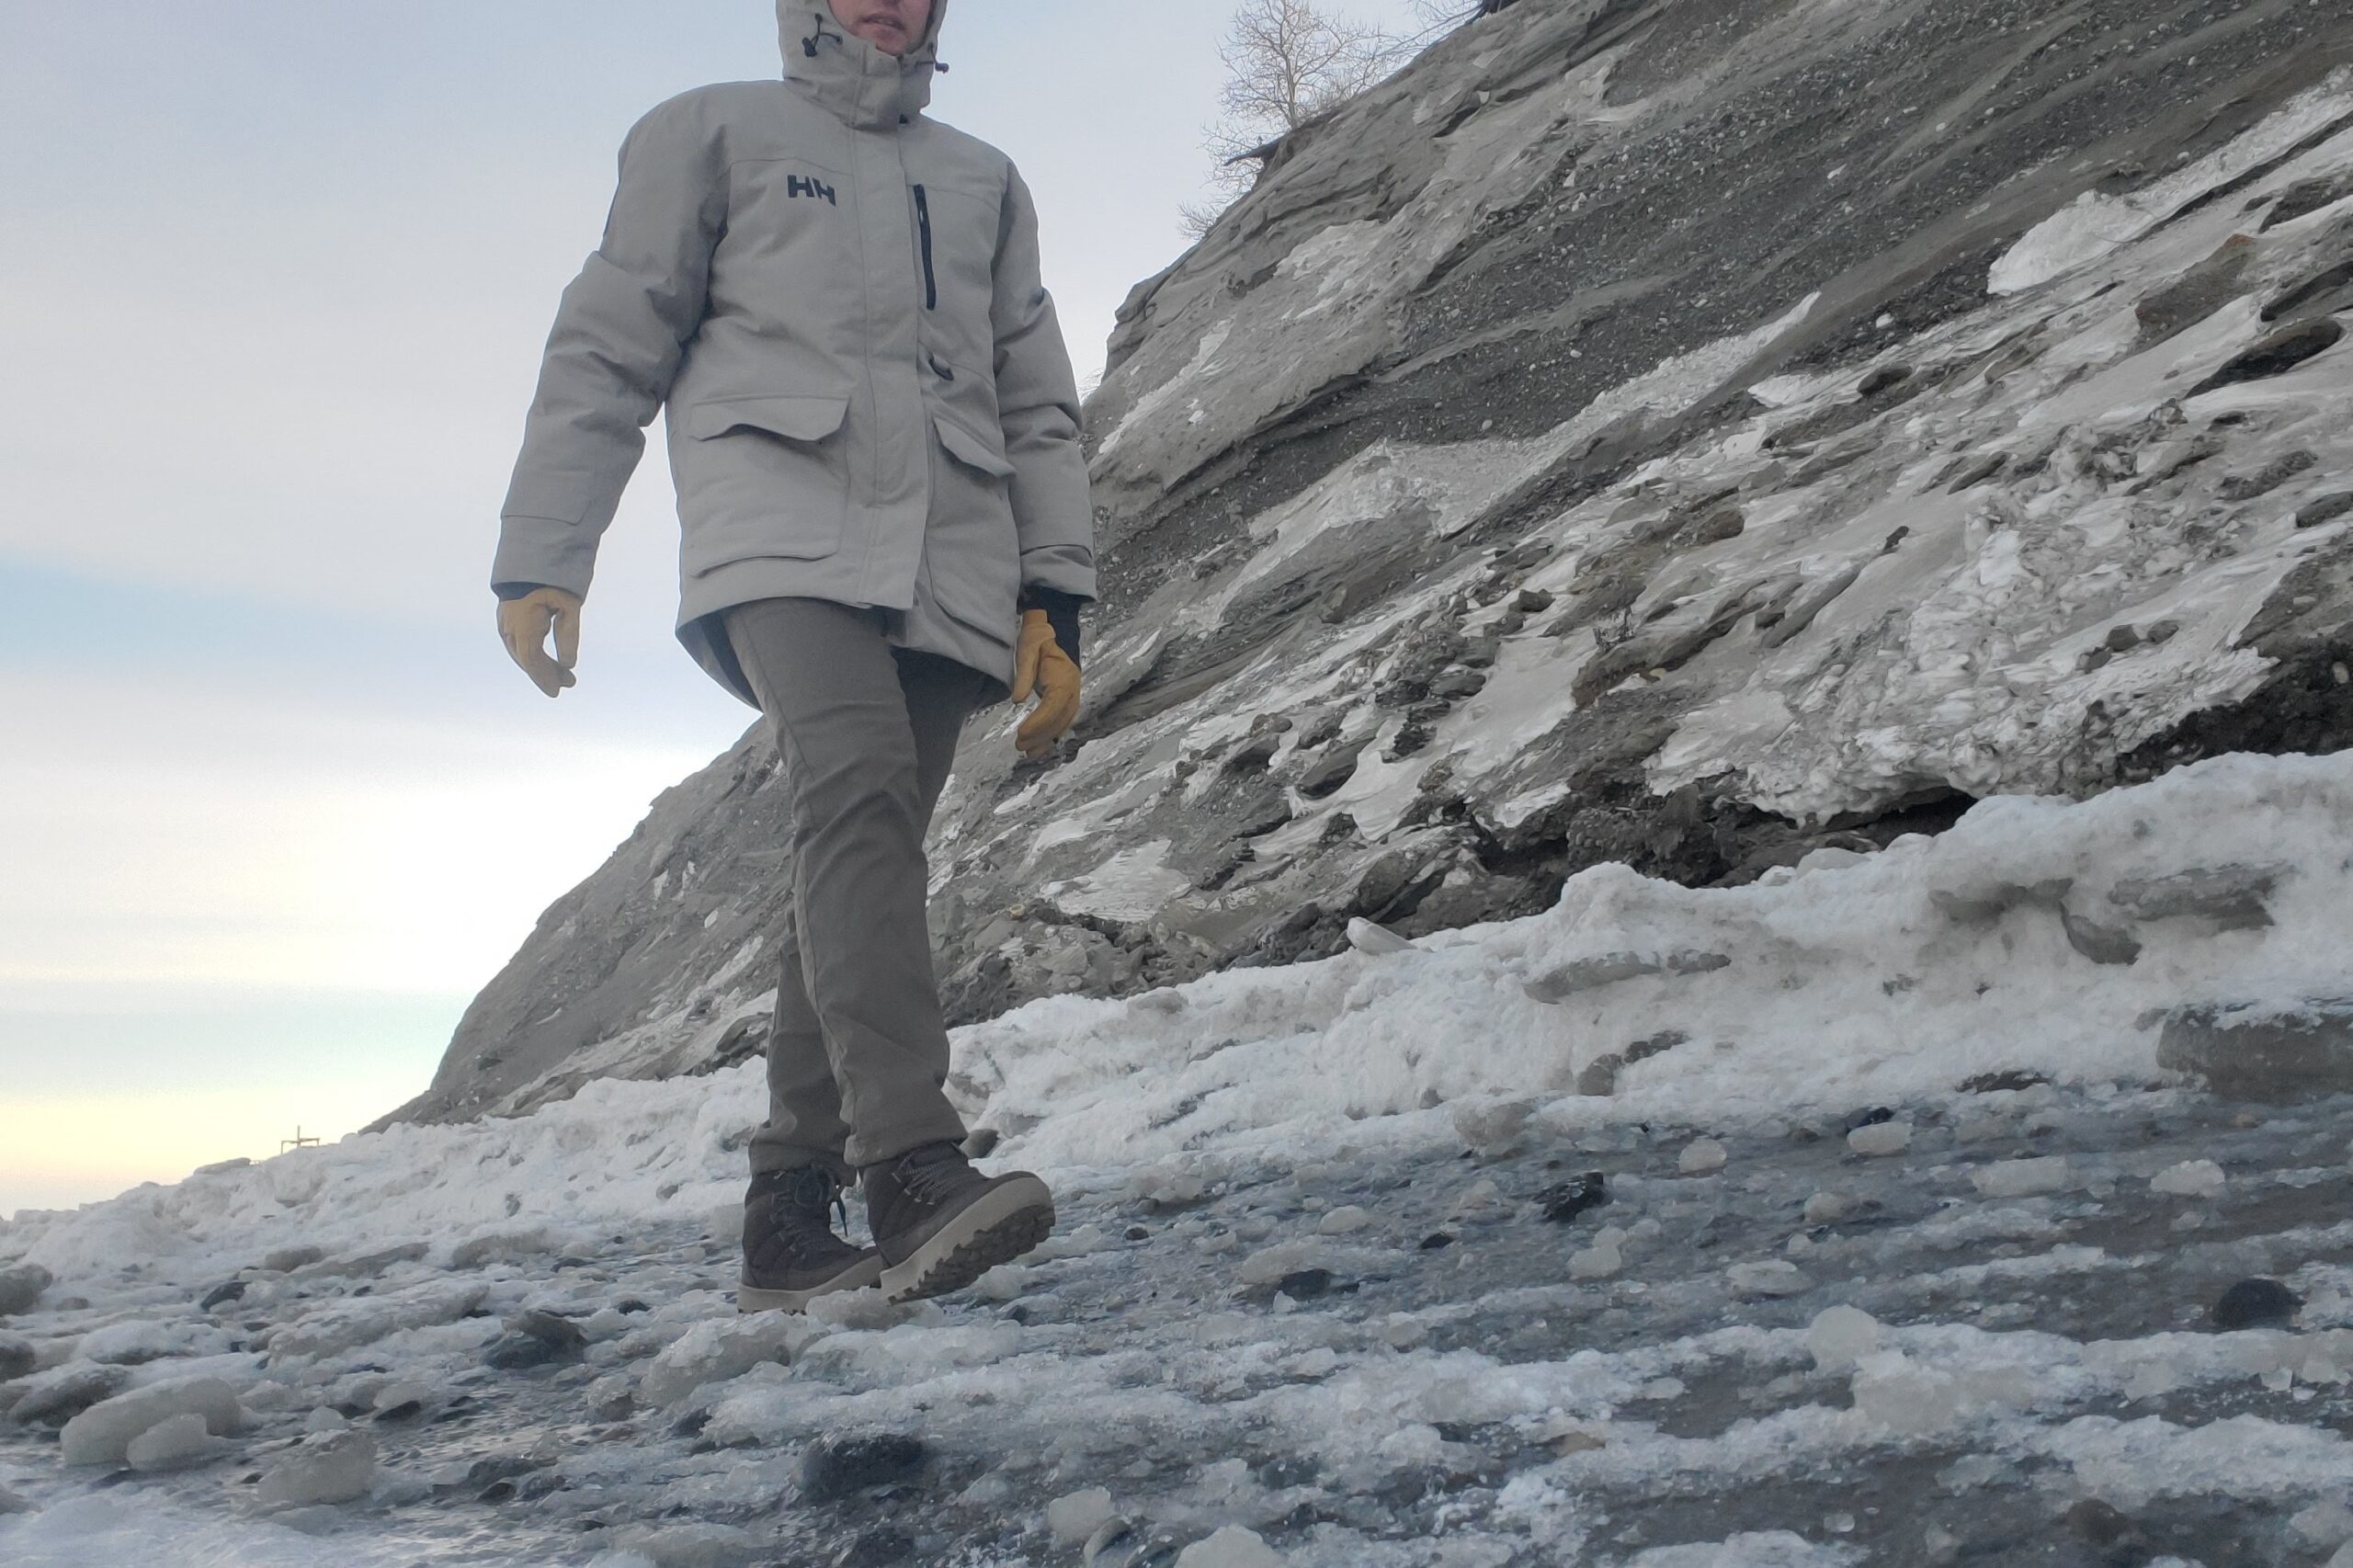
869	399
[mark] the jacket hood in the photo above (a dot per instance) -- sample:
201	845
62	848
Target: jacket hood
849	76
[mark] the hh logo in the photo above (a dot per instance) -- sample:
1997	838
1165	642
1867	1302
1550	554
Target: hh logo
802	185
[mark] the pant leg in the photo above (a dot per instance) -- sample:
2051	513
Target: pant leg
867	735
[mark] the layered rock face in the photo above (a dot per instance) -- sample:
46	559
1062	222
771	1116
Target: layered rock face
1689	435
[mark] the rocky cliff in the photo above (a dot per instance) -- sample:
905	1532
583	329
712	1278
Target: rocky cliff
1687	433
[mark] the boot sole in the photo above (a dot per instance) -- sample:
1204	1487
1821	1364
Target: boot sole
1000	1226
858	1276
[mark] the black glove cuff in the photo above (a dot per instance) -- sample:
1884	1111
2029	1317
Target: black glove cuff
1062	614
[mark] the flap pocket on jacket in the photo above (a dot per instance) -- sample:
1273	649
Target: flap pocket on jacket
970	450
795	418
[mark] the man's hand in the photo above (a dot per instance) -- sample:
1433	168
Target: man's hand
523	626
1041	667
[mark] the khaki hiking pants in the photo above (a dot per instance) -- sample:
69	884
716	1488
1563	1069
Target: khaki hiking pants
858	1052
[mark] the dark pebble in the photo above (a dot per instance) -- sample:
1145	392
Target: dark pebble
1137	1234
2256	1303
1999	1083
1571	1198
1307	1284
1437	1240
834	1468
1872	1117
222	1295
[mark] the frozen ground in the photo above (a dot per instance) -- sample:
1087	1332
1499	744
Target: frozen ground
1907	1250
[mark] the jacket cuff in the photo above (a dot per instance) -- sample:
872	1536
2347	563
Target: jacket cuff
545	552
1062	614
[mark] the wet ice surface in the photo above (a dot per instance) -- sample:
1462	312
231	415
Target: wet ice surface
1431	1387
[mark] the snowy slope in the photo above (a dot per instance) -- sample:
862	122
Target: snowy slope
1684	436
1248	1320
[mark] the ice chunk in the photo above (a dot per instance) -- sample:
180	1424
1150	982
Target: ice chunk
1005	1282
2325	1524
1231	1547
103	1434
1379	941
1070	1520
721	1350
1892	1392
336	1468
1345	1220
1768	1280
1701	1156
179	1442
1167	1185
2025	1178
1492	1128
1827	1207
1881	1139
406	1398
2191	1179
1841	1337
1604	1259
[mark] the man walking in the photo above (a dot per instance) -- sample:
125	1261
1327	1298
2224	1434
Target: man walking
873	426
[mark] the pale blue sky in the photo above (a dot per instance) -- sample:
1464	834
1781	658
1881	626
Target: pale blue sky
272	802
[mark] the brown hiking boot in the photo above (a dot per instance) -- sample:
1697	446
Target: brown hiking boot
790	1253
941	1224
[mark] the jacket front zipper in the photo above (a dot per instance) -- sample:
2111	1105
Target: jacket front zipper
923	229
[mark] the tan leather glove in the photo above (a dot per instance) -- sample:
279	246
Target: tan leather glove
523	626
1041	667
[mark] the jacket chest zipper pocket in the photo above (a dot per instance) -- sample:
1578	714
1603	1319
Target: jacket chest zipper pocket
922	234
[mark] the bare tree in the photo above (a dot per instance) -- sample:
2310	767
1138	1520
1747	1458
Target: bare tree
1288	61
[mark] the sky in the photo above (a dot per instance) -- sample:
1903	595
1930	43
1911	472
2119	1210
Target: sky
273	803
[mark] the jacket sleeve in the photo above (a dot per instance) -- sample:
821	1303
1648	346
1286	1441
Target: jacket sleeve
1037	408
620	336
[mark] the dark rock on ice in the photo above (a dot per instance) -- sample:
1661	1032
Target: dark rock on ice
55	1397
2324	509
2233	897
2102	944
2106	1530
2199	294
1608	969
835	1468
20	1287
2324	293
2307	197
16	1356
1565	1202
2012	1082
2256	1303
2255	1052
222	1295
2276	355
534	1338
2243	487
1309	1284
